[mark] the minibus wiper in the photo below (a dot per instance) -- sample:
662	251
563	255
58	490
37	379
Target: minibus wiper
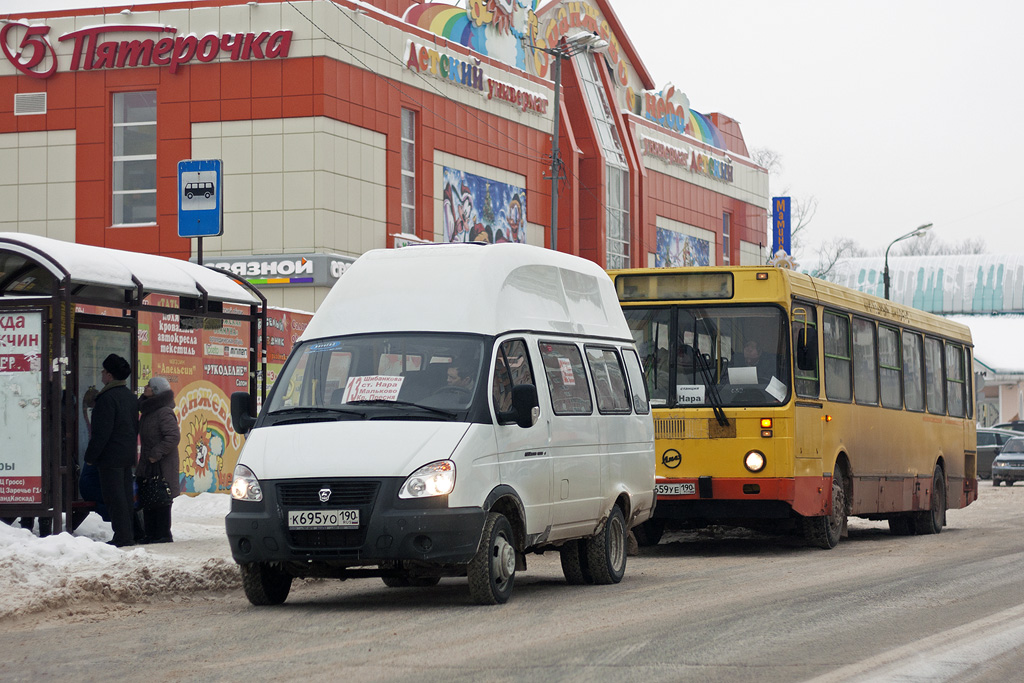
316	409
712	387
430	409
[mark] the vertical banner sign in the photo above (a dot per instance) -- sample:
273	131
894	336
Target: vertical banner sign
21	388
781	226
200	205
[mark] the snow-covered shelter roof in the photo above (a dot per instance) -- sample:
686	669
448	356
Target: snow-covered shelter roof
89	266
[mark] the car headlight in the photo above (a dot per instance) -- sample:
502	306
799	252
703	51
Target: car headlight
754	461
245	485
435	479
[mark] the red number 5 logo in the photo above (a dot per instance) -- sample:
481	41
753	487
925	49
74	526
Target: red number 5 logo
35	38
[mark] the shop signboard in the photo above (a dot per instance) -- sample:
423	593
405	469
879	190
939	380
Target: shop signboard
21	386
781	224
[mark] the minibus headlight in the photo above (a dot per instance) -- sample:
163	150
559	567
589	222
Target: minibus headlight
754	461
245	485
435	479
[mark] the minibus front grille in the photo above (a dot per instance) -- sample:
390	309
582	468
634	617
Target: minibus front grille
328	538
343	492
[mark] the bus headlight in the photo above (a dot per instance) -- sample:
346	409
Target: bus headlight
754	461
435	479
245	485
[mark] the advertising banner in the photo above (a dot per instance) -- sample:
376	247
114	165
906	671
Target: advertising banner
678	250
477	209
21	385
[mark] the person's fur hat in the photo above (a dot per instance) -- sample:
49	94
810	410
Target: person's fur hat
159	385
117	367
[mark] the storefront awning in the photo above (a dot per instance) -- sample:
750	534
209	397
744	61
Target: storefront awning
30	265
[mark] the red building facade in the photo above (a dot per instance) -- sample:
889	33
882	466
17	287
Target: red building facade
347	126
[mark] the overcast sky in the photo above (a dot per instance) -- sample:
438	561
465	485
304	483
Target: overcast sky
891	113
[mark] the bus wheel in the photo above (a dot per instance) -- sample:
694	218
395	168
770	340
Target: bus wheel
825	531
931	520
901	525
492	571
265	585
574	564
649	533
606	551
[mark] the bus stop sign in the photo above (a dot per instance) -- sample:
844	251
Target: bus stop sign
200	200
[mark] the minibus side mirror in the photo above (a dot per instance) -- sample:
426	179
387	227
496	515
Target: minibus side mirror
241	419
806	352
525	405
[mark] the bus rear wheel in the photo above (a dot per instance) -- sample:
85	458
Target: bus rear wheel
932	520
825	531
649	533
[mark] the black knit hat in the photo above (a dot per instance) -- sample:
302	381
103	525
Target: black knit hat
118	367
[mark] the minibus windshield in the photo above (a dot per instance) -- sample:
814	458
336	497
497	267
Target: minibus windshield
419	373
694	354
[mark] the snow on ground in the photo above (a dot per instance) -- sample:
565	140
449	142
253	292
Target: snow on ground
65	570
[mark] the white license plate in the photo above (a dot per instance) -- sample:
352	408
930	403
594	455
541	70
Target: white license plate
323	519
675	489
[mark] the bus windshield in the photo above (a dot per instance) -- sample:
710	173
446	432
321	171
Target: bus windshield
693	355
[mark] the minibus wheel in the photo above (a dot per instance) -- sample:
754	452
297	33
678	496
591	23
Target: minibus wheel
574	563
264	584
606	551
492	571
931	520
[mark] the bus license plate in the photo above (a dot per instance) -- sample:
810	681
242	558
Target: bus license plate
323	519
675	489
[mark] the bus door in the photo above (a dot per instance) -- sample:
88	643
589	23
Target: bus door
809	416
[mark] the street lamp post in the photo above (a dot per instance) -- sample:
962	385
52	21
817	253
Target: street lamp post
565	48
916	232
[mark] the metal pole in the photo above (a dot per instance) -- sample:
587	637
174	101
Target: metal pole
557	77
885	273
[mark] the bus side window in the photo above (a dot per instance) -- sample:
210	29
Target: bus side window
805	341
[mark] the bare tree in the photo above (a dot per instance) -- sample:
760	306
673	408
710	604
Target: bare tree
930	245
834	251
802	209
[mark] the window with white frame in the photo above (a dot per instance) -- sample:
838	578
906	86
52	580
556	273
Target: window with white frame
617	233
134	172
408	171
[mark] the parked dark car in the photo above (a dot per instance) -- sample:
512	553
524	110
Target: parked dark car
1009	464
1015	425
990	442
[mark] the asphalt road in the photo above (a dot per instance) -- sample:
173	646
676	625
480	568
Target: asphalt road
719	606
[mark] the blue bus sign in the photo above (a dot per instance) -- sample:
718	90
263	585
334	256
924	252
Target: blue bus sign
780	224
200	199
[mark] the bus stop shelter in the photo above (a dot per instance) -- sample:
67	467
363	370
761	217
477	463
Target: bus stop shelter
63	308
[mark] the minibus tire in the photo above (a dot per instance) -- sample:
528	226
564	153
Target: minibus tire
606	550
490	578
574	563
265	585
931	520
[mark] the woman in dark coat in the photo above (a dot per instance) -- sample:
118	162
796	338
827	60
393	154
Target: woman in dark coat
159	435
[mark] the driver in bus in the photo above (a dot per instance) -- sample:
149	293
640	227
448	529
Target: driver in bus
753	358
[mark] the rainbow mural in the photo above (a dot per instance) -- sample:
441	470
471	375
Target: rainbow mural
489	27
701	128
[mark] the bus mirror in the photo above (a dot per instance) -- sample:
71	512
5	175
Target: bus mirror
525	405
806	352
241	419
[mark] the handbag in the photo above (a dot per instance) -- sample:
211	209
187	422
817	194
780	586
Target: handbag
154	493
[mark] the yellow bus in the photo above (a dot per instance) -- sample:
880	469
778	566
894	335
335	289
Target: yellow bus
789	403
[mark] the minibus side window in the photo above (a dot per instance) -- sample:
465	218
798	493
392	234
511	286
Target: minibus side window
609	380
511	368
641	402
567	379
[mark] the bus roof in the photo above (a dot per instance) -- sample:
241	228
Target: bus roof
476	288
781	285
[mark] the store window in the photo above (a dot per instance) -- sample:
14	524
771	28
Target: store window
617	234
134	172
726	226
409	171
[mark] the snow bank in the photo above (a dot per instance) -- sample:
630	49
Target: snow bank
64	570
